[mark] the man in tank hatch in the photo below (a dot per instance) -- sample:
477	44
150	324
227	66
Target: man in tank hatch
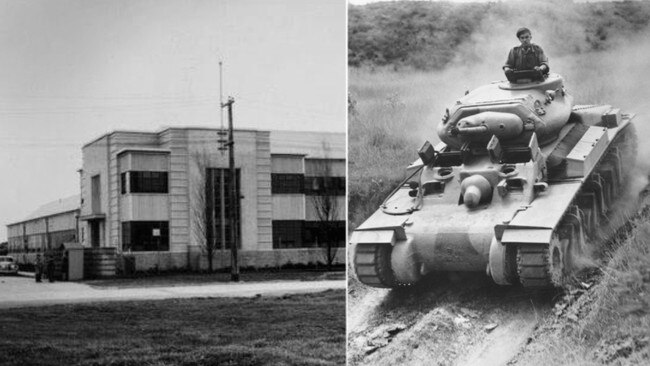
527	56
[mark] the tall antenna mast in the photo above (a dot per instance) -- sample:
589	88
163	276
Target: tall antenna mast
221	93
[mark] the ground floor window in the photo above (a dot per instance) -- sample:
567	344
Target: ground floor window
308	234
141	236
324	233
287	233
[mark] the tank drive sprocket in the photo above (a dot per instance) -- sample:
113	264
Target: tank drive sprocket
373	265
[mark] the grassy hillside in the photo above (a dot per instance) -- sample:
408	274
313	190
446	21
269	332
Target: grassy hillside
430	35
608	324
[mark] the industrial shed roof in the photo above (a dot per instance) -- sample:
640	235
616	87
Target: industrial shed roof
59	206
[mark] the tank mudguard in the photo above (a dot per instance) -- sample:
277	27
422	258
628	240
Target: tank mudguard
374	237
380	228
382	221
533	224
546	211
526	236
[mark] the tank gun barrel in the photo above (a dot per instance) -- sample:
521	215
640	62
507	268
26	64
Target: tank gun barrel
482	126
469	131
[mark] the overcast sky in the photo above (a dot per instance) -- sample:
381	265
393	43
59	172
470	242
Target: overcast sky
73	70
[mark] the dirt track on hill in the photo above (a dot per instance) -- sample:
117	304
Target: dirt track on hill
447	319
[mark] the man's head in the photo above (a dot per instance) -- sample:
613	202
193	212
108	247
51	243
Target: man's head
524	36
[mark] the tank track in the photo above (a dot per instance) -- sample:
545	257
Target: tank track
536	266
373	267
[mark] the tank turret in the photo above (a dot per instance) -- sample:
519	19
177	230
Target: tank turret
511	112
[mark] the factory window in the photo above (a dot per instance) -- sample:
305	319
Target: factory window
287	183
304	234
147	182
96	194
325	186
287	234
123	182
141	236
316	232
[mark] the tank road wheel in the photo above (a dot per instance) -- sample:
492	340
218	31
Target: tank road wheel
541	266
372	265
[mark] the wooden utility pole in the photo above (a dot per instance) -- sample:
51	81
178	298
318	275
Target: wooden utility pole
222	182
234	196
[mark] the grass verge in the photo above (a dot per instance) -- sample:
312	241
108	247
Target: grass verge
289	330
610	323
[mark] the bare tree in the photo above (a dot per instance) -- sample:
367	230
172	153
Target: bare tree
325	198
199	208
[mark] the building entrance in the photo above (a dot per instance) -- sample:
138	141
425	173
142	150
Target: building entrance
95	233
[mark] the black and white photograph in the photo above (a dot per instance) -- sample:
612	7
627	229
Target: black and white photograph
324	182
174	180
498	182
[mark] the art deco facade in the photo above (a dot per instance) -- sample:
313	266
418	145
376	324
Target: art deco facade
159	196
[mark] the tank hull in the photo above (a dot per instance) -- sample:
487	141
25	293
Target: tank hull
515	210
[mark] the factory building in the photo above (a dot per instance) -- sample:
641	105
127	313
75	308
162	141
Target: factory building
162	199
48	227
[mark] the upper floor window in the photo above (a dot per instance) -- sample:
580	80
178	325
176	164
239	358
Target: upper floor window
334	186
144	182
287	183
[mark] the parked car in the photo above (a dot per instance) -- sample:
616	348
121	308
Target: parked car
7	265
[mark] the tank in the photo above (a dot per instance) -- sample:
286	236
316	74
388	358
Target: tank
520	180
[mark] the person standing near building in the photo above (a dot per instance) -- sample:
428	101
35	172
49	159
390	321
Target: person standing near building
49	265
38	268
64	265
527	56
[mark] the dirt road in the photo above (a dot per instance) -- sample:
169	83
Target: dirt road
447	319
23	291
